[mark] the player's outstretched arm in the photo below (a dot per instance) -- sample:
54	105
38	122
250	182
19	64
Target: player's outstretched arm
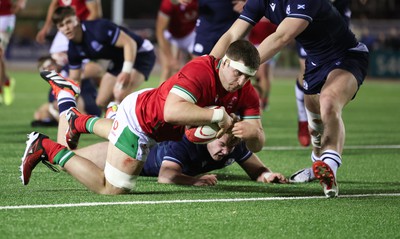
238	30
171	173
257	171
41	35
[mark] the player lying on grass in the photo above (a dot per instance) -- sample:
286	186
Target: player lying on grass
186	163
183	162
155	115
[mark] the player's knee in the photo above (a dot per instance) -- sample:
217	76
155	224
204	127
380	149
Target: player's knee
121	182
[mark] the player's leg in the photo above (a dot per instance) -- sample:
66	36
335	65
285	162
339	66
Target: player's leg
7	84
169	58
41	148
105	91
84	124
303	134
337	91
126	154
65	91
97	153
93	71
264	74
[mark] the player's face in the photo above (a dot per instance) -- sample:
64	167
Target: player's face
219	148
67	26
231	78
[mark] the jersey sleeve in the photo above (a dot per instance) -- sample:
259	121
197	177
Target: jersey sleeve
166	7
253	11
304	9
241	153
106	32
196	83
249	105
178	152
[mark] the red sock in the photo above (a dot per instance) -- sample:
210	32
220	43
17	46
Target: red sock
7	82
52	148
80	123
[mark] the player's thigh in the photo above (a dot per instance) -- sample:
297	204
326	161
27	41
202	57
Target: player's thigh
93	70
340	86
137	78
122	161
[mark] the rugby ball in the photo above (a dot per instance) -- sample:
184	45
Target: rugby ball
202	134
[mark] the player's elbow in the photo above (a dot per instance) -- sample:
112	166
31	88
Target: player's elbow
256	144
164	180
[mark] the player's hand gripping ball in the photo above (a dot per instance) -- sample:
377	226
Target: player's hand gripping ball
203	134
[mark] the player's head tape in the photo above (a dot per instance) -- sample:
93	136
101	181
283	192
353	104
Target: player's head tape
240	66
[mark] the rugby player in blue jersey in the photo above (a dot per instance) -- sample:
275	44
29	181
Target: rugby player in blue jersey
336	66
215	18
185	163
131	57
303	134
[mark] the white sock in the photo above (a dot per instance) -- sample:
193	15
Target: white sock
332	158
65	101
301	109
314	157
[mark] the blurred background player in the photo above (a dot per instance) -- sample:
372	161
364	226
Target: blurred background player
215	17
303	135
8	11
175	34
85	10
131	57
47	114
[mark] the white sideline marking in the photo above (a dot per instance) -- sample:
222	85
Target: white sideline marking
279	148
91	204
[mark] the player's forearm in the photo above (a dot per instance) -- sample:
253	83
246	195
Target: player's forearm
94	10
256	143
221	46
49	18
164	45
238	30
130	50
178	178
270	47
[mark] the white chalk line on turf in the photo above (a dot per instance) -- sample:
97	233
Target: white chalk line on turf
278	148
91	204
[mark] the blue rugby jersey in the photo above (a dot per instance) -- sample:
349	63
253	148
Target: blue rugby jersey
98	40
193	158
326	38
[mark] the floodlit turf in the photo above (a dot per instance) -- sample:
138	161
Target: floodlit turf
368	206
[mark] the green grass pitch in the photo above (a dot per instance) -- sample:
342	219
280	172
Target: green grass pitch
54	205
